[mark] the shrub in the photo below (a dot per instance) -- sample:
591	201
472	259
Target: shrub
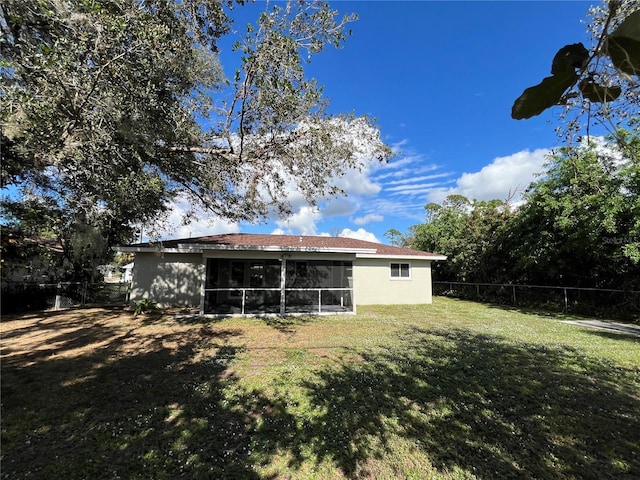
144	306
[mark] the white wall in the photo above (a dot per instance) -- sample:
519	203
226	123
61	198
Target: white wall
172	279
374	285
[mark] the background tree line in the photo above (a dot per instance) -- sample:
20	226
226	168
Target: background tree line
578	225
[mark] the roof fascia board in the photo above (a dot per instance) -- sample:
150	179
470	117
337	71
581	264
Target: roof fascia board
200	248
272	248
403	257
204	247
180	249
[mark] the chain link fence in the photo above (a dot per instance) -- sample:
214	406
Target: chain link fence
25	297
584	301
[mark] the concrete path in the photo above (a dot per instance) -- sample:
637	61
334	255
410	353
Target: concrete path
615	327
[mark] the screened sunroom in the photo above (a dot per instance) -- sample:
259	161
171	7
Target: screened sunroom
254	274
277	286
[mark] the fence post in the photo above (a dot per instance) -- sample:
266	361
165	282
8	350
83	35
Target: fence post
566	301
56	305
514	296
84	294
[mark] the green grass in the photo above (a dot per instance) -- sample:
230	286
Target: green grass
453	390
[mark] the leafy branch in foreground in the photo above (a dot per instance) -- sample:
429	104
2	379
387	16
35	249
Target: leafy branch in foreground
113	109
601	82
98	91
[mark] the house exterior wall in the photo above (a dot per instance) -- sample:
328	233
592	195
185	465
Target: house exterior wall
177	278
172	279
374	285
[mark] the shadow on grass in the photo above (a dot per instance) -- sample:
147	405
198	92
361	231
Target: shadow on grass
481	405
555	312
287	323
168	405
283	323
614	335
134	408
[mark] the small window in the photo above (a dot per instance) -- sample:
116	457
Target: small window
400	270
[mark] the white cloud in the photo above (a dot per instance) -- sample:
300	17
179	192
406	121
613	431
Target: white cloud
360	183
415	189
413	179
303	222
504	177
368	218
409	176
406	182
411	208
182	221
400	189
407	166
360	234
356	182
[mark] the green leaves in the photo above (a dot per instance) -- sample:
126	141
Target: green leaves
623	45
574	64
535	100
463	230
598	93
569	58
124	105
579	224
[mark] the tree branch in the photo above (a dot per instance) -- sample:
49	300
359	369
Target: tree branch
209	151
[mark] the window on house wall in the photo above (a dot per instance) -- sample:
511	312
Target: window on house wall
230	273
401	270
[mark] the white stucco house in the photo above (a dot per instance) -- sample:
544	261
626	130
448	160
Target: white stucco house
236	274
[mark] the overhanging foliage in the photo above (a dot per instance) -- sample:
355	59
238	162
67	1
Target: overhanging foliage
600	82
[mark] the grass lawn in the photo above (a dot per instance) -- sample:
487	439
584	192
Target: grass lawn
453	390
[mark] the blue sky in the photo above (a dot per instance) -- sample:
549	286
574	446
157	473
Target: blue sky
440	78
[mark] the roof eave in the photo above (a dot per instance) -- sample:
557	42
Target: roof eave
404	257
199	248
159	249
286	249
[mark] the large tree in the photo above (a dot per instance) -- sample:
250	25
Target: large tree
103	98
580	225
468	232
112	108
